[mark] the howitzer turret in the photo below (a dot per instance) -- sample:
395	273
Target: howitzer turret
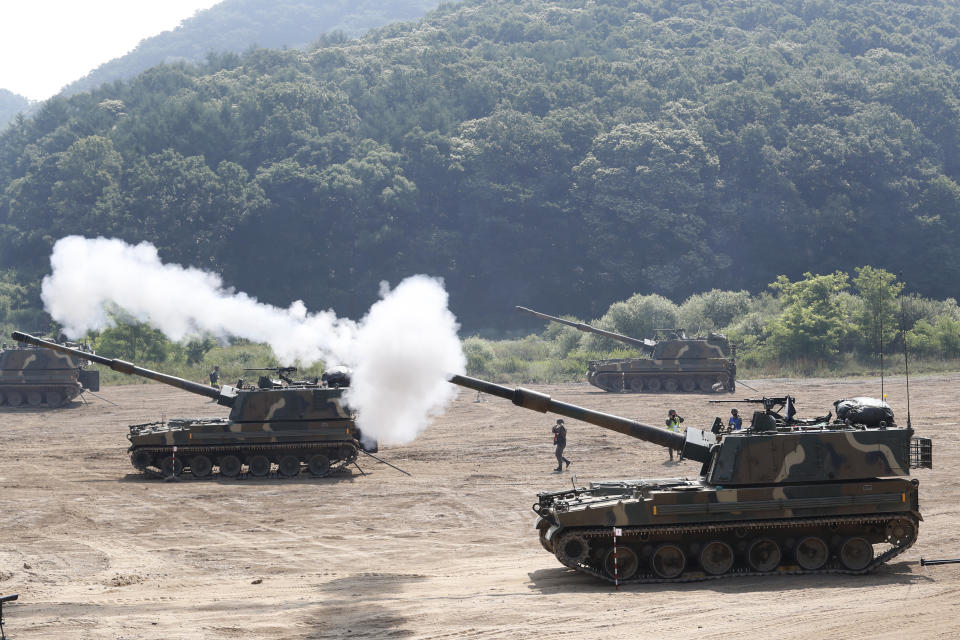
284	425
675	364
810	497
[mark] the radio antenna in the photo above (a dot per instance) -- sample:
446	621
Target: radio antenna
906	359
880	339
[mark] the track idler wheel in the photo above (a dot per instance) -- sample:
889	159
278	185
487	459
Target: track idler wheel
900	531
572	548
716	558
812	553
856	554
668	561
763	555
141	459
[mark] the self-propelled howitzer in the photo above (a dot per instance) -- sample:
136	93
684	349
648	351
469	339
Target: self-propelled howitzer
287	425
676	364
772	498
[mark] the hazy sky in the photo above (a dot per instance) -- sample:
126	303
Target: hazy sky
47	44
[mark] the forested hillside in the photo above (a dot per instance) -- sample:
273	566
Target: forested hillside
10	105
233	26
557	154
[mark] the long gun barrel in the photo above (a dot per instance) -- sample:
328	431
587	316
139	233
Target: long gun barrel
642	344
543	403
131	369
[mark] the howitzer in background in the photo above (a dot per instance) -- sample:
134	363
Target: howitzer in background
677	364
287	426
793	499
40	377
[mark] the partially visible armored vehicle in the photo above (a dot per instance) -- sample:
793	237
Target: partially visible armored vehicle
678	363
39	377
774	498
286	423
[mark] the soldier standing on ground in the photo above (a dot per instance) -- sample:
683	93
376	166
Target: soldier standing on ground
560	439
215	376
673	424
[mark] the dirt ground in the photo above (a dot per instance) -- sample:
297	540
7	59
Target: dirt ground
97	551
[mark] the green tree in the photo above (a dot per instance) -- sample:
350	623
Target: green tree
878	290
812	323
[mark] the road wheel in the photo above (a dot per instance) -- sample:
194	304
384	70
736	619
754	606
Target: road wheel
716	558
259	465
200	466
763	554
230	466
14	399
668	561
670	385
653	384
636	384
54	398
812	553
34	398
3	398
171	467
856	554
688	385
319	465
141	459
289	466
705	384
627	563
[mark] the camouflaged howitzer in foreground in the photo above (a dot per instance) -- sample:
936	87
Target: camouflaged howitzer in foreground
773	498
677	364
38	377
287	424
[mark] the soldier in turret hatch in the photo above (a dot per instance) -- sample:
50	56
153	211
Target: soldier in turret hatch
560	440
735	421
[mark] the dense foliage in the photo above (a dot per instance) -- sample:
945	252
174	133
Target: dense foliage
819	324
556	154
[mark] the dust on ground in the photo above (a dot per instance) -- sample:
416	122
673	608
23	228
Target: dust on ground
97	551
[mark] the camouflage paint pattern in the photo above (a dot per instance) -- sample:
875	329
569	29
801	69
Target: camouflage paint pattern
42	377
784	498
302	422
678	364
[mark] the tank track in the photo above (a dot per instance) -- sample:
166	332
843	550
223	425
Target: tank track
212	450
614	382
756	528
66	393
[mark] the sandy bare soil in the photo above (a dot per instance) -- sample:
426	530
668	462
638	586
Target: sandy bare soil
97	551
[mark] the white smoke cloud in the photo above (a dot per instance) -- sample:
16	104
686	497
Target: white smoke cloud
401	352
